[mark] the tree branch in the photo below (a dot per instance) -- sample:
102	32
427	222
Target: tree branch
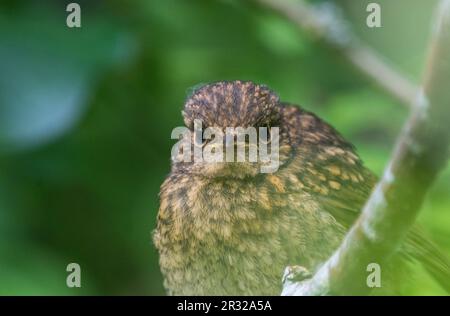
421	152
325	23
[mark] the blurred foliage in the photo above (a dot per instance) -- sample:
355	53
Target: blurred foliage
86	116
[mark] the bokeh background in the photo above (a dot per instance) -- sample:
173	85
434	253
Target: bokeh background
86	116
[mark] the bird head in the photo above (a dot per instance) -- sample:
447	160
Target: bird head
232	104
224	118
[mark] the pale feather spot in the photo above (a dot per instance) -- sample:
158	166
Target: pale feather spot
354	178
277	183
334	185
334	170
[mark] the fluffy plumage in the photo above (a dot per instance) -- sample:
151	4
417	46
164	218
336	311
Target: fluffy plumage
230	230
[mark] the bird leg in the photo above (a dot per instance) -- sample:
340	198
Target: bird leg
294	277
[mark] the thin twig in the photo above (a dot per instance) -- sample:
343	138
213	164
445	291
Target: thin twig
325	23
420	154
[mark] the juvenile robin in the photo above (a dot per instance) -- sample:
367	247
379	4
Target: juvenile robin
226	228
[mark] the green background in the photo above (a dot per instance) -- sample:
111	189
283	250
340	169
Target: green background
86	116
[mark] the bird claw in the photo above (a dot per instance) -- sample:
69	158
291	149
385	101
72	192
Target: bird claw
294	274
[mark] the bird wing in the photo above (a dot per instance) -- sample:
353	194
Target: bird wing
334	174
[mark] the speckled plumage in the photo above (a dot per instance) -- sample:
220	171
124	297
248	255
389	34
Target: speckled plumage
230	230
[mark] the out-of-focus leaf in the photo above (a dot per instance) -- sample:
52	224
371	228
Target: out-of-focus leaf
47	72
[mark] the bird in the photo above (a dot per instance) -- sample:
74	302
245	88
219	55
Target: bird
226	228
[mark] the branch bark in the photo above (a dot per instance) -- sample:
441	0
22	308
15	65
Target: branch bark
421	152
325	24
